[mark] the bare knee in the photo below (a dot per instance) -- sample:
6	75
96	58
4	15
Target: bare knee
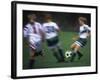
73	46
77	48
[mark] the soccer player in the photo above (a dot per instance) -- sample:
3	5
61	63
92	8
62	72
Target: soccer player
34	33
81	39
51	30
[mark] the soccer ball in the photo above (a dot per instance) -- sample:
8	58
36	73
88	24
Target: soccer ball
68	54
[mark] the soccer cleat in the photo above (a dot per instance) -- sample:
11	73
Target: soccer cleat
72	57
79	55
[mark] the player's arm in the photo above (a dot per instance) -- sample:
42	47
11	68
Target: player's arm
58	30
57	27
25	31
89	31
25	34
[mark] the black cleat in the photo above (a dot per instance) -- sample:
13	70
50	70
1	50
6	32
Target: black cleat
80	56
73	57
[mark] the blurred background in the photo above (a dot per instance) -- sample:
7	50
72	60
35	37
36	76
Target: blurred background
66	21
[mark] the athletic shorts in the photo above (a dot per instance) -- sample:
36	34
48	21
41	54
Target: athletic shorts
81	42
36	45
53	42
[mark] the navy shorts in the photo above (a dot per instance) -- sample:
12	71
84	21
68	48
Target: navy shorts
53	41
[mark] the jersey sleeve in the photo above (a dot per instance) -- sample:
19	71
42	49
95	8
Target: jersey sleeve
26	30
89	29
56	26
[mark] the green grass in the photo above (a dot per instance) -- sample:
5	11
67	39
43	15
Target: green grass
49	61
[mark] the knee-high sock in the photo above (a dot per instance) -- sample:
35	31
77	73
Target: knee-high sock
56	56
31	63
79	53
61	54
73	56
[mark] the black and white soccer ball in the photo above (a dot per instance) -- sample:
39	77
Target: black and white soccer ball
68	54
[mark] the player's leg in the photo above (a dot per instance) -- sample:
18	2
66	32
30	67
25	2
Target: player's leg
32	46
61	53
82	43
59	49
79	55
55	53
75	52
41	53
73	46
39	49
76	47
31	58
51	45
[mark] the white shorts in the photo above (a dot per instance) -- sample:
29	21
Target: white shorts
36	45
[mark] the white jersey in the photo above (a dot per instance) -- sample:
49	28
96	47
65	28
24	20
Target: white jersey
84	30
33	31
50	29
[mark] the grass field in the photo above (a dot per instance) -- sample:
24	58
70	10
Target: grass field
49	61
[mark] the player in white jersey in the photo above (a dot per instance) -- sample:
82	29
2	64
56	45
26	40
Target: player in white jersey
51	34
34	33
81	41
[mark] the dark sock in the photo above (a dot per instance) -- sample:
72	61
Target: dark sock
56	56
73	57
41	53
61	54
31	63
79	55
